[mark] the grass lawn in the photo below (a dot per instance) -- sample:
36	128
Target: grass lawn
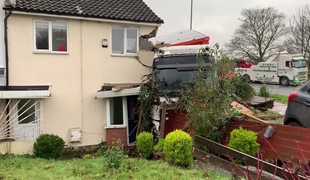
278	97
29	168
268	112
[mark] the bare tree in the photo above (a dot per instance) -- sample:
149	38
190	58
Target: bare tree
256	38
299	31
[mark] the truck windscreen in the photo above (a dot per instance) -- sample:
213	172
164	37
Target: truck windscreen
174	80
299	63
176	72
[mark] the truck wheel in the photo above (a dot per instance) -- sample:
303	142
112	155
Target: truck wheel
294	123
284	81
247	78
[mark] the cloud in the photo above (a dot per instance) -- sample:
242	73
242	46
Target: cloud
217	19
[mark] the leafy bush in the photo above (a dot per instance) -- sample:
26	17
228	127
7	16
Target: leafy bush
48	146
208	101
240	86
101	150
264	91
145	144
178	148
114	156
160	145
244	141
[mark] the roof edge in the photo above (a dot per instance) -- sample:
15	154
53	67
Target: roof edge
81	17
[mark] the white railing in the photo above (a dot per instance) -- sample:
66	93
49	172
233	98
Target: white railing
12	121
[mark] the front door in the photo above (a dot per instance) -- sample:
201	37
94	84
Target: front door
26	119
133	117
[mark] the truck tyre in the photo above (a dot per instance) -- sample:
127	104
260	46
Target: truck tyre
284	81
247	78
294	123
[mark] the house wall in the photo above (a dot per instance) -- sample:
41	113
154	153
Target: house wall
16	147
74	77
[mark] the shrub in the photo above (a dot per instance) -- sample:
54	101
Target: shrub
178	148
160	145
101	150
244	141
264	91
114	156
240	86
48	146
145	144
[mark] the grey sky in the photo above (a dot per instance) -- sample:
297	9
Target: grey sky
217	18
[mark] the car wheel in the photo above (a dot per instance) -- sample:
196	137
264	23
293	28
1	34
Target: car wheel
294	123
247	78
284	81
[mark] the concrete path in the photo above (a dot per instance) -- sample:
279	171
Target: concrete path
281	108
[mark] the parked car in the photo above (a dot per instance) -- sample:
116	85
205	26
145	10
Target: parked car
297	112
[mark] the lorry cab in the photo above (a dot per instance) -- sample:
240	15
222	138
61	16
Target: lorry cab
282	68
176	66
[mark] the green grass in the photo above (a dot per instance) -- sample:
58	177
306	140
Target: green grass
278	97
276	121
29	168
268	112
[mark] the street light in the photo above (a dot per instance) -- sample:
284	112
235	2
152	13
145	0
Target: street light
191	18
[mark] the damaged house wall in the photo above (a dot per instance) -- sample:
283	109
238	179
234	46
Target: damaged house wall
147	48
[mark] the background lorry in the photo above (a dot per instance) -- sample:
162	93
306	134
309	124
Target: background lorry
282	68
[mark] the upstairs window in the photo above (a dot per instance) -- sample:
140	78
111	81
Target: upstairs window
124	40
50	36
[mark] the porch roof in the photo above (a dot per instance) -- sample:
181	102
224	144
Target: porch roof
24	92
118	90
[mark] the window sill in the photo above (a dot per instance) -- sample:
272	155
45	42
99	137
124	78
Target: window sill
115	127
124	55
50	52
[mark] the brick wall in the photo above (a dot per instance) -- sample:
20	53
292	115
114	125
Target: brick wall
116	133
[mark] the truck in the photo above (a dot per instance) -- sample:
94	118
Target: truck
175	68
282	68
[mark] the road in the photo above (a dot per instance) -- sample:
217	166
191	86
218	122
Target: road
276	89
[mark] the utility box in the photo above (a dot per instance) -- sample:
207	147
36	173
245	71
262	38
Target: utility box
75	135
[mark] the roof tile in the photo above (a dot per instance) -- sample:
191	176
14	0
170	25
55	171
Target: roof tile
127	10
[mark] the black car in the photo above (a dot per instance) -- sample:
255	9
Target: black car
298	109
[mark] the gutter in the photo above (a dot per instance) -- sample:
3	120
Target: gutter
7	62
88	19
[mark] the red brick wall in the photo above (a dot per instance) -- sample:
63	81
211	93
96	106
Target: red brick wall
176	121
116	133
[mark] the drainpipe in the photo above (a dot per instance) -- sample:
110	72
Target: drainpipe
6	47
7	62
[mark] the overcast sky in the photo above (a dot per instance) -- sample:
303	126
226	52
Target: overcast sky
216	18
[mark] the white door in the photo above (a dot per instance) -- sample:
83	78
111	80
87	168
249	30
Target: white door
26	119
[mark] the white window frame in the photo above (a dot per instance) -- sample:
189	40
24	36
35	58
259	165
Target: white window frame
125	41
35	50
125	114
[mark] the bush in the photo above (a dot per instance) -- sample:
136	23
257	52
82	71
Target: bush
48	146
114	156
264	91
244	141
178	148
240	86
145	144
160	145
